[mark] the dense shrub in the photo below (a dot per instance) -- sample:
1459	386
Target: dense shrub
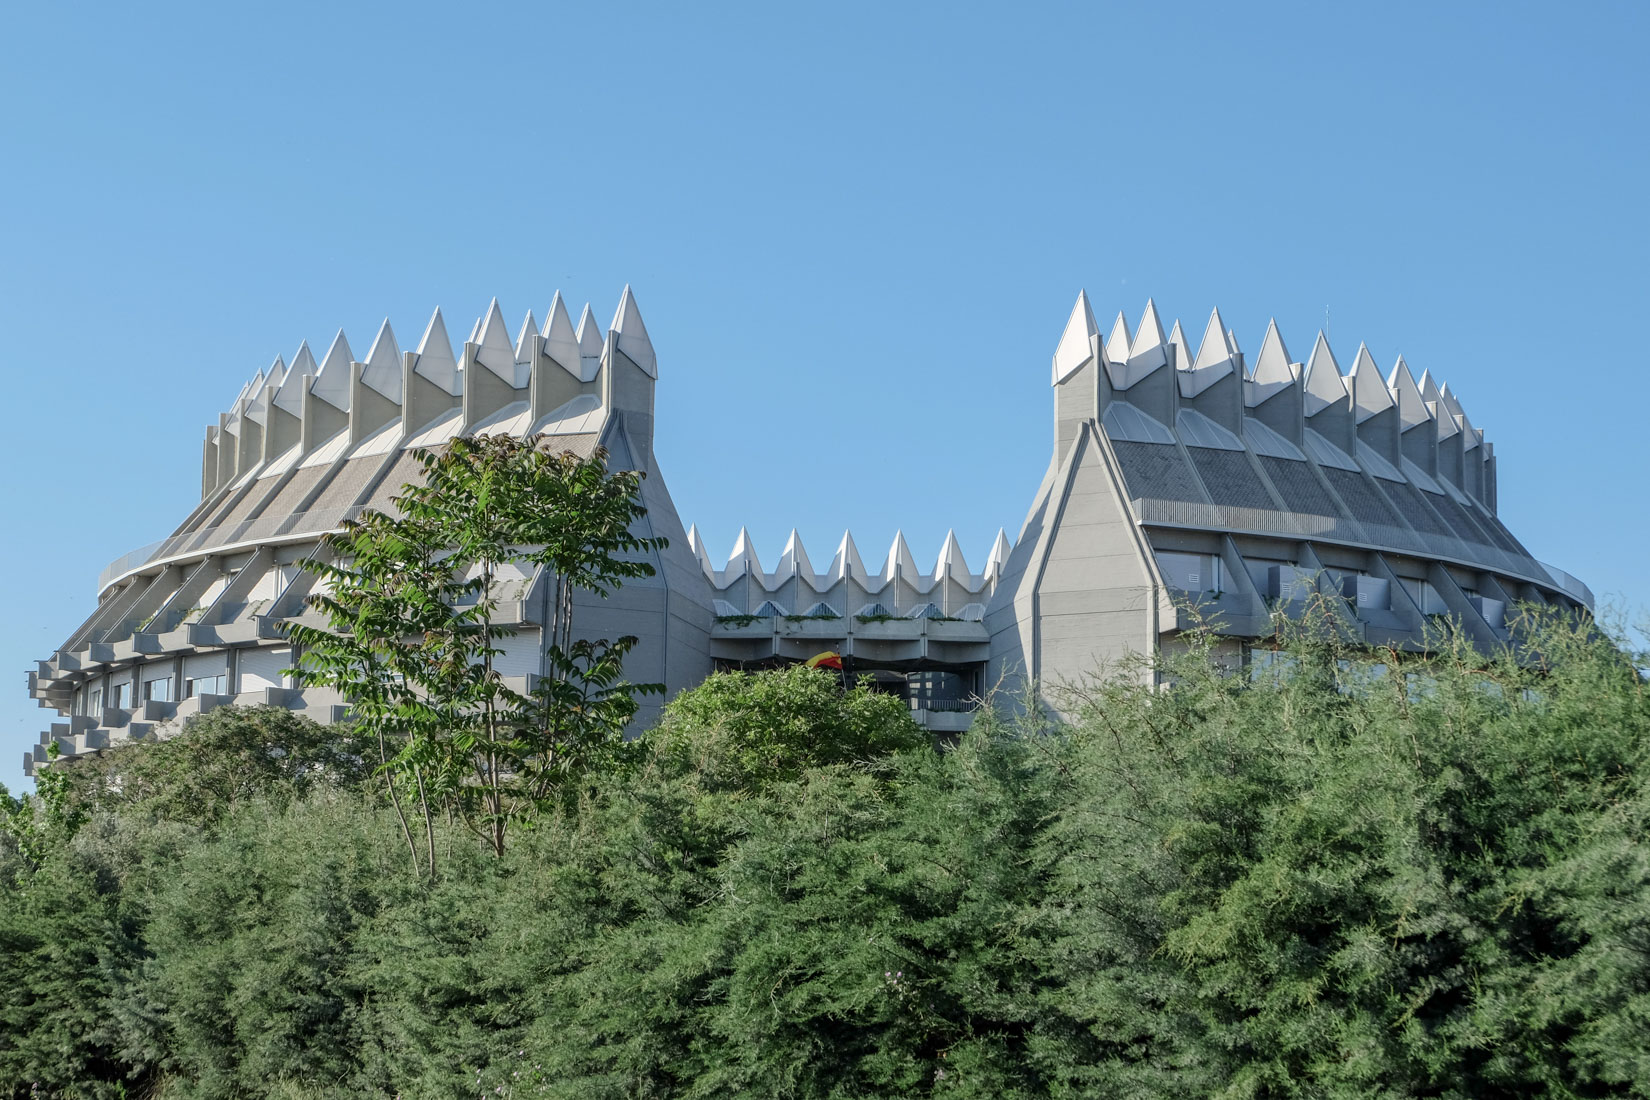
1330	876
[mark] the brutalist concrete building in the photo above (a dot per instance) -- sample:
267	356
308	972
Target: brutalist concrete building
1176	476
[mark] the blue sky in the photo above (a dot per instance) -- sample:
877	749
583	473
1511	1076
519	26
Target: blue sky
855	232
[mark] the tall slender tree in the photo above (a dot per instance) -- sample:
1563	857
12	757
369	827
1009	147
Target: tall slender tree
410	597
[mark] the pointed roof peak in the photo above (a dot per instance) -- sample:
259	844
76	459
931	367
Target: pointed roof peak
1324	385
492	333
1183	347
1429	386
589	334
338	352
529	327
1412	407
793	560
1000	550
1369	393
382	367
303	360
1148	337
332	380
385	352
900	559
435	355
1117	344
1215	352
1272	365
951	559
1072	353
633	338
561	343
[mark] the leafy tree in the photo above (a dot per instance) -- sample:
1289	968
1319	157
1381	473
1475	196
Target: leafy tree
217	762
410	600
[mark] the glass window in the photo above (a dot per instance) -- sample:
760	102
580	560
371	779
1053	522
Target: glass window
123	695
96	703
158	690
203	685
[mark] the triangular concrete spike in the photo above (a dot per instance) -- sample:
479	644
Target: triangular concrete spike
275	375
999	552
290	395
633	338
1369	392
1232	342
697	545
899	555
1450	401
1324	385
246	390
561	343
1182	346
589	334
338	356
794	559
435	356
495	334
1214	350
951	557
1429	387
436	348
382	367
1072	352
332	381
1272	365
744	551
1412	407
1149	336
529	327
1474	436
385	353
256	389
303	361
1117	344
847	562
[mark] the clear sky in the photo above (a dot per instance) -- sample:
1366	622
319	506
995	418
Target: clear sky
855	232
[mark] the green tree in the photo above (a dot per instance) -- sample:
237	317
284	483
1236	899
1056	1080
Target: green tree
410	598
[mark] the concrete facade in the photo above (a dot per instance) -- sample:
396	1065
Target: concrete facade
1175	476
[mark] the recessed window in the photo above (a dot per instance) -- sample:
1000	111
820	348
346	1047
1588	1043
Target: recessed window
123	695
158	690
203	685
1190	572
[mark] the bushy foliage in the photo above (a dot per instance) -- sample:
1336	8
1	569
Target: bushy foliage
1331	876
